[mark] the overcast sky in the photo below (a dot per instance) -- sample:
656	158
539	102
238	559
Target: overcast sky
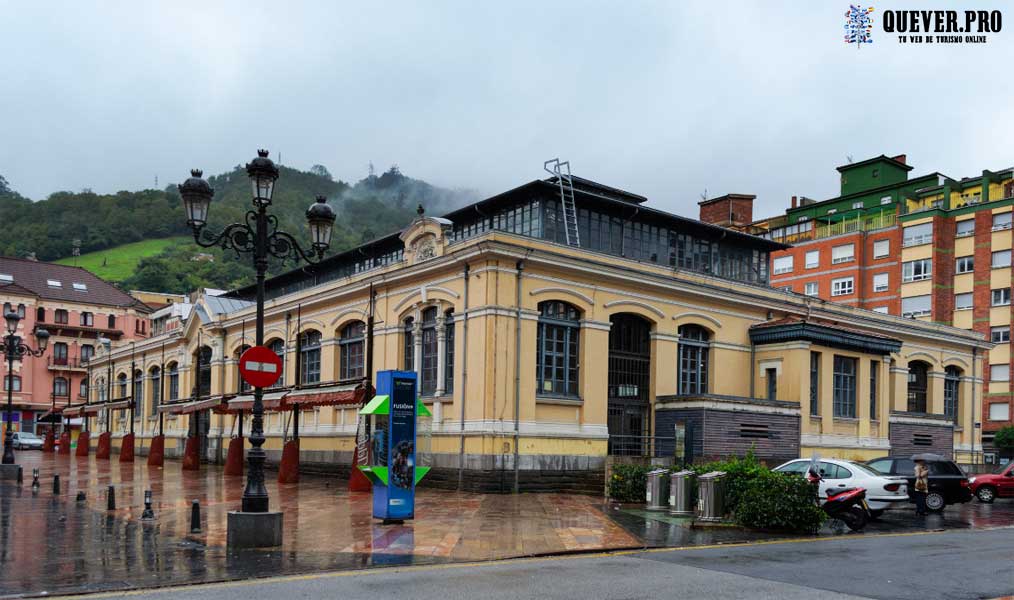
665	99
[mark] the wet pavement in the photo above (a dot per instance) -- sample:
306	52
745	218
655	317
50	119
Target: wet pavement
52	544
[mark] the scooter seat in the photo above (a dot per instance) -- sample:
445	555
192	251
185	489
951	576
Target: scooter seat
841	491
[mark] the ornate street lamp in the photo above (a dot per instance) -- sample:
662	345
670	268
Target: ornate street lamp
258	235
15	349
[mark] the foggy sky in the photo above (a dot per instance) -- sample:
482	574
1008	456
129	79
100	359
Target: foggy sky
665	99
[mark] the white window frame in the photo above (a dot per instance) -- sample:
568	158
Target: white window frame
843	286
881	282
958	233
1005	221
832	211
909	270
999	416
917	313
1002	292
970	262
999	334
999	372
1003	255
917	239
776	270
885	245
967	295
851	256
880	309
816	263
885	200
857	205
53	283
812	291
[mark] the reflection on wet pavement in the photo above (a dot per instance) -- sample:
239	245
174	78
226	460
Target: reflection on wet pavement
53	544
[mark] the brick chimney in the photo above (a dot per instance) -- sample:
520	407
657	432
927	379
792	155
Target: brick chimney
900	158
730	210
793	202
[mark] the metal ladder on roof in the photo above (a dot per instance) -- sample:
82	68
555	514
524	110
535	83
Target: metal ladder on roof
561	170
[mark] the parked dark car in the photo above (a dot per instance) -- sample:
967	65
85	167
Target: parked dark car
948	484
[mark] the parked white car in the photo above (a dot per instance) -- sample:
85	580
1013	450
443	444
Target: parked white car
25	440
883	492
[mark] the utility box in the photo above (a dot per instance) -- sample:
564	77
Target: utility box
682	493
657	491
711	496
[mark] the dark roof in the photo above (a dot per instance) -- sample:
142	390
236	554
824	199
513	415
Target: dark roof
876	159
824	333
34	276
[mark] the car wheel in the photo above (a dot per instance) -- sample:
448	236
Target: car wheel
986	494
935	502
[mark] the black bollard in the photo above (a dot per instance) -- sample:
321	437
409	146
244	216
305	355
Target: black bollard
148	514
80	497
35	480
56	485
195	517
21	476
111	498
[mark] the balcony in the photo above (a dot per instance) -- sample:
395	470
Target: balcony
66	364
793	235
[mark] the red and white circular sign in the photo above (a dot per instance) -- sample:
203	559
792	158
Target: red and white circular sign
260	367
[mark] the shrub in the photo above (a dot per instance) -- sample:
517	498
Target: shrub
779	501
1004	440
739	472
627	483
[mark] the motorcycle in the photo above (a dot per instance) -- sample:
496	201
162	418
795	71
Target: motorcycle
848	506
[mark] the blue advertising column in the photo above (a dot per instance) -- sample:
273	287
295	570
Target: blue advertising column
394	473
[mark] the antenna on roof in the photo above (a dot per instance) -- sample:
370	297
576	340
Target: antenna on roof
75	249
848	157
704	194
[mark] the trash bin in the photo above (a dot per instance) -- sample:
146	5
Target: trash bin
711	496
681	493
657	491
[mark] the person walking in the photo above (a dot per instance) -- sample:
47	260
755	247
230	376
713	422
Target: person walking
921	486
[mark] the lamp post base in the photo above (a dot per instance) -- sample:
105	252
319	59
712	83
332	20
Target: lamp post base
9	472
254	530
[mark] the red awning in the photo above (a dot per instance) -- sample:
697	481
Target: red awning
272	401
185	408
326	396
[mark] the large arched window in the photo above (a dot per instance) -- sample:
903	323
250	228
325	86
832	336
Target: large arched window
352	351
448	351
138	393
277	346
918	375
155	376
83	389
241	384
60	387
121	386
309	357
174	381
952	381
557	347
694	358
409	345
428	374
204	356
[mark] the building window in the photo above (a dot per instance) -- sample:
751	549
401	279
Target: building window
881	248
694	350
916	306
832	211
885	200
880	309
874	378
772	379
121	386
351	350
815	383
782	264
1001	258
111	321
999	335
1001	221
844	387
857	204
242	384
428	374
999	412
174	382
876	173
843	253
880	282
449	351
952	379
278	347
309	357
83	388
138	393
812	289
559	334
916	270
917	234
965	228
918	375
59	353
204	356
60	387
87	319
40	315
60	317
999	372
964	264
1001	297
155	376
7	383
963	301
409	346
842	287
813	259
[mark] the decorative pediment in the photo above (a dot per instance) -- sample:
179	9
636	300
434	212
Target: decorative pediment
425	237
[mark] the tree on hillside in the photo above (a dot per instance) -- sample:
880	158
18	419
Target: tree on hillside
321	171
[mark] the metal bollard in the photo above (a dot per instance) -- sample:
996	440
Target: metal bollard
21	476
35	480
195	517
148	514
111	498
56	485
80	497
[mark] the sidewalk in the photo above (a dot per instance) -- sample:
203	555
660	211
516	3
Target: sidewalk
53	545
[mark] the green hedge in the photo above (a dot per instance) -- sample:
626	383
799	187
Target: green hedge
739	472
780	501
627	483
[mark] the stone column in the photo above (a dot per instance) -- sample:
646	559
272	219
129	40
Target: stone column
863	396
826	396
417	348
935	385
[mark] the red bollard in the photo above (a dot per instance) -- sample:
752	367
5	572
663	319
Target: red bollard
127	448
288	469
83	442
192	454
65	442
49	443
102	450
234	459
156	454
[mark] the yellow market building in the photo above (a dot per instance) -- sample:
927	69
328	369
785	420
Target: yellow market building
549	337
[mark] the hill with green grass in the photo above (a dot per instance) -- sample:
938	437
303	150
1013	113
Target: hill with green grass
118	263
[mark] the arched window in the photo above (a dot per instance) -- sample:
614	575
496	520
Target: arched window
952	381
204	356
409	344
40	315
309	357
155	375
694	358
16	380
100	389
83	390
278	347
448	351
918	374
174	381
428	383
352	355
60	387
138	396
241	384
121	386
111	321
87	352
558	348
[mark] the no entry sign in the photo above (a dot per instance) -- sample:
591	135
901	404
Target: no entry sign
260	367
